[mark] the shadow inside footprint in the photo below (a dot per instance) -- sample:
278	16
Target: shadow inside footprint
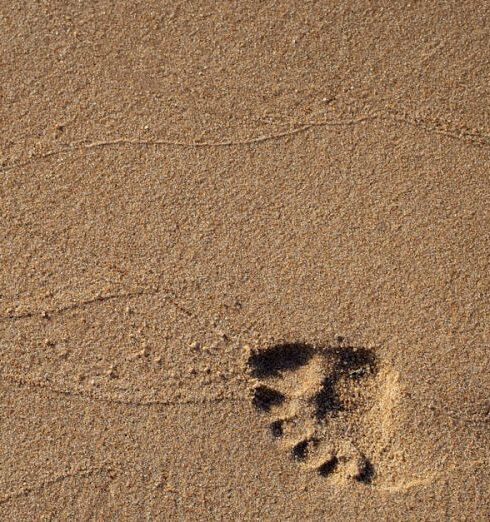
328	467
356	362
300	451
326	400
366	475
277	429
289	356
264	398
351	363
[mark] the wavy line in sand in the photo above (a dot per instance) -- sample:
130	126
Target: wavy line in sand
74	147
170	295
475	137
27	490
90	396
75	306
83	473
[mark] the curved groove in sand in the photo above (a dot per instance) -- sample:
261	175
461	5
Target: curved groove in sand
77	305
84	473
168	294
33	488
476	137
109	399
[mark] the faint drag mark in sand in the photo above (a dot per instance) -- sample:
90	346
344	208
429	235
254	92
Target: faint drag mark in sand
81	146
475	137
316	398
82	473
100	299
76	392
89	395
169	294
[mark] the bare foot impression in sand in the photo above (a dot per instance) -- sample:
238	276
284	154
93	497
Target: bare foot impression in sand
315	399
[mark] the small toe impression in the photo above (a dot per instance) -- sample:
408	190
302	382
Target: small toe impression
277	429
300	451
328	467
366	473
264	398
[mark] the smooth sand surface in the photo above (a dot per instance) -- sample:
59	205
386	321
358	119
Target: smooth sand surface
244	261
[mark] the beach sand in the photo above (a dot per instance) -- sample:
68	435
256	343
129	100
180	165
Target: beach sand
244	261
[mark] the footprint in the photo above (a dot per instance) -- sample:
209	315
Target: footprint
315	399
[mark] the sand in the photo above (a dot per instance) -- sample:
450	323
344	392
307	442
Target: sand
244	261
